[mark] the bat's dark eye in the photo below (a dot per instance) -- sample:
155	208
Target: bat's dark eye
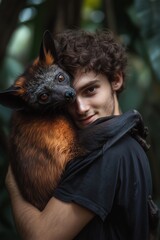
43	97
61	78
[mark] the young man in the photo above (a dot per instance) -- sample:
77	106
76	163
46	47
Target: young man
104	195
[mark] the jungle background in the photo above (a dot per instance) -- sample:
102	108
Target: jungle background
135	22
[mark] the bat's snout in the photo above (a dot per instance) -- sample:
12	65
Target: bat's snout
70	96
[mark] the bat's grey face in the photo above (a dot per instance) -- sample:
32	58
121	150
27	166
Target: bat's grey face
43	86
48	87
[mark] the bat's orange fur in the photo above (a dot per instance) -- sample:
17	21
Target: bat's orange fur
48	144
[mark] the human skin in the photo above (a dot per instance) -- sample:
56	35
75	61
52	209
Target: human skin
96	98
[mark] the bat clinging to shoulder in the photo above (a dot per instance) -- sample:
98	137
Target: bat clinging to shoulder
43	139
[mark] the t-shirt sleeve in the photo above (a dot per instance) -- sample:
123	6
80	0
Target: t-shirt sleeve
91	182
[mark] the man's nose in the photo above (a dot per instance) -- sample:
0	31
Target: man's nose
81	106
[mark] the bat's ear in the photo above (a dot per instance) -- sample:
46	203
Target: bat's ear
47	54
10	98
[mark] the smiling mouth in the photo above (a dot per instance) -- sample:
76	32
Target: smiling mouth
86	121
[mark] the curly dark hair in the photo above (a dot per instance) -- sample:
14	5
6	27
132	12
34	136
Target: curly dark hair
99	52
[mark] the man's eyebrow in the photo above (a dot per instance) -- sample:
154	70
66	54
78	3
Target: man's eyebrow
92	82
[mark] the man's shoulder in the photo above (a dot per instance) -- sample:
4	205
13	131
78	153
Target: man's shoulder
124	146
126	154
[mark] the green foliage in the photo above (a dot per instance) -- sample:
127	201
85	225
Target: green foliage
92	15
149	23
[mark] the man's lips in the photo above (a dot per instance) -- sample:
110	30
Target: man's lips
87	120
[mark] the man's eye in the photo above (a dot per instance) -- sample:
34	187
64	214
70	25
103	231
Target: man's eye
91	90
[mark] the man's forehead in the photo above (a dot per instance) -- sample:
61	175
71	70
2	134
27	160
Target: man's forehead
83	81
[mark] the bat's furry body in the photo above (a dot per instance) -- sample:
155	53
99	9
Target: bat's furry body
41	148
43	139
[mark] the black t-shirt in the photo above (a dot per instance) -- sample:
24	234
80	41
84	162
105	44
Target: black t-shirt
113	181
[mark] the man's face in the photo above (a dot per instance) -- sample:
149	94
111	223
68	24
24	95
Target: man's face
95	98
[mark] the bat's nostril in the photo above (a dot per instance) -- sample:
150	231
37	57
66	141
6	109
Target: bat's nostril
70	95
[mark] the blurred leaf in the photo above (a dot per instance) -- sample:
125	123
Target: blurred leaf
149	23
137	83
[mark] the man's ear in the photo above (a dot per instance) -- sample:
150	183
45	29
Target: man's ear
47	53
10	98
118	81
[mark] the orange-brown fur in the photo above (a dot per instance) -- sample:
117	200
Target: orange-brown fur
49	144
20	83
